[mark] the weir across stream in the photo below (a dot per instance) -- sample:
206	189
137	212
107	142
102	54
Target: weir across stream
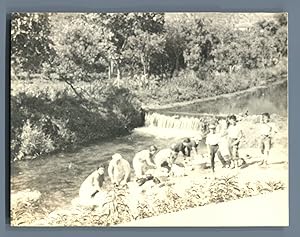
58	176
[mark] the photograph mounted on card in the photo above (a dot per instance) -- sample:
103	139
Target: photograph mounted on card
149	119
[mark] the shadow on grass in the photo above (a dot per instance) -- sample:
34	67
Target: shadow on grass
278	163
245	164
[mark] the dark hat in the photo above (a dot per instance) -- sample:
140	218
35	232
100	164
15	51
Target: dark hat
187	140
266	114
232	117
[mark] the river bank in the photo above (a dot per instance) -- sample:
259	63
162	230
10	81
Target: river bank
48	121
163	126
197	188
271	97
69	174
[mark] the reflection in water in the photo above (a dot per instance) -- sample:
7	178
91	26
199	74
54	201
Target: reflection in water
271	98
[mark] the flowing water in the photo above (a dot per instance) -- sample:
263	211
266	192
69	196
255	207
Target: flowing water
58	177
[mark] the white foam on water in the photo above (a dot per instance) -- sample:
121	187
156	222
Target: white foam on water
167	132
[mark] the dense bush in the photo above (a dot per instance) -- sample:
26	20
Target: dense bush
41	123
187	85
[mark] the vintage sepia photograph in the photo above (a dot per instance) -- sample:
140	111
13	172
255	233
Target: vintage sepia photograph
149	119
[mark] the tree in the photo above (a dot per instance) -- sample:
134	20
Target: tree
136	35
200	44
143	46
31	46
272	35
89	44
228	42
176	43
82	47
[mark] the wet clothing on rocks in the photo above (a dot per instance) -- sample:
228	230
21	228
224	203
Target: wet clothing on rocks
148	177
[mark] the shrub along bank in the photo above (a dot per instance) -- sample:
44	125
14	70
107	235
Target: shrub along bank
42	123
188	85
157	200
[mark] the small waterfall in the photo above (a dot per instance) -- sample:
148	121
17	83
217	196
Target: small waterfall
175	121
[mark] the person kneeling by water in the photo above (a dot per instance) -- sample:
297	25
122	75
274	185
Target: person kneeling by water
164	159
142	160
193	145
90	192
183	147
119	170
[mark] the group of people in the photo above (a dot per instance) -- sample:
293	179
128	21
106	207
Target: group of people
222	141
119	172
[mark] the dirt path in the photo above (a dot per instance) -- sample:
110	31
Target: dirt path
272	209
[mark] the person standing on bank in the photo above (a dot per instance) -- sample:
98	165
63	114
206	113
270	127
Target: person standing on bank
267	130
221	129
235	135
119	170
212	142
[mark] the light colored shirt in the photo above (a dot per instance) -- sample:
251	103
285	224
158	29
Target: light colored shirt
162	156
234	131
212	139
222	127
118	170
267	129
91	184
142	156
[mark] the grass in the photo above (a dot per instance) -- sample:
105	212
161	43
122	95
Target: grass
155	201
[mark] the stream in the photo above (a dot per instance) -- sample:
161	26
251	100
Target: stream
58	177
